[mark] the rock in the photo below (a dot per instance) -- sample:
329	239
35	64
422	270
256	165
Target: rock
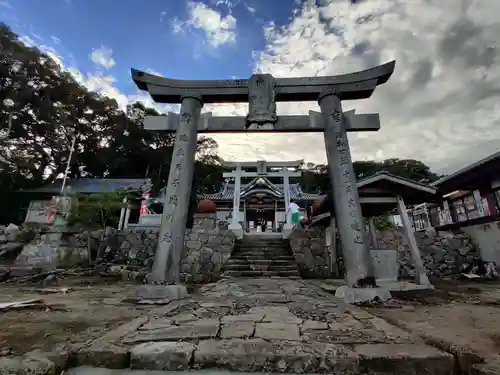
108	356
26	365
62	356
313	325
256	355
237	330
11	232
277	331
202	329
395	359
172	356
10	248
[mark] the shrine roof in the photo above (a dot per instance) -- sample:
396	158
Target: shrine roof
95	185
373	189
413	192
470	177
227	191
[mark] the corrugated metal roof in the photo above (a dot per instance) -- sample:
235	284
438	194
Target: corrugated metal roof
466	169
96	185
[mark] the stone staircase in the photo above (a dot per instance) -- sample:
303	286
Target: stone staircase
261	256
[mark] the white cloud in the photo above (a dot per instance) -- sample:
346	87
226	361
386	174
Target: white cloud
5	4
27	41
103	57
442	104
98	82
105	84
218	30
48	50
151	71
55	39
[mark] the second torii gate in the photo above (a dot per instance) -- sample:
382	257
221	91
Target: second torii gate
262	167
262	91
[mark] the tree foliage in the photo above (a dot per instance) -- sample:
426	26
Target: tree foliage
49	107
315	177
96	210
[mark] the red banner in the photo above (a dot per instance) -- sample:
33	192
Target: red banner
144	204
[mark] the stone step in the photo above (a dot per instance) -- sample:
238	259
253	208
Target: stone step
256	267
260	250
262	243
263	246
262	254
261	273
253	257
271	246
257	261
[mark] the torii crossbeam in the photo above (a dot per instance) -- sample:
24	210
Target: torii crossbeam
284	124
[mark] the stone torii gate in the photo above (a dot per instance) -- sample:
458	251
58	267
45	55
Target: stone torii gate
262	91
262	165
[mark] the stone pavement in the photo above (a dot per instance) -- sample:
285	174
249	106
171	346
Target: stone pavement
267	324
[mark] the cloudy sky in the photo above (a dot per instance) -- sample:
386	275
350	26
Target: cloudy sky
441	106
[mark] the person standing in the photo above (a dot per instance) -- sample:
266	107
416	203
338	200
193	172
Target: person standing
294	209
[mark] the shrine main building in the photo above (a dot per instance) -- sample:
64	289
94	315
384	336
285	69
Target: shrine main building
266	190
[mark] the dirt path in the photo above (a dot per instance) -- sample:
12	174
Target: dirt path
462	314
86	312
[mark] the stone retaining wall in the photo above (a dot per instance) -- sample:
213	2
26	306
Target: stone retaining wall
59	247
207	247
442	253
311	255
10	242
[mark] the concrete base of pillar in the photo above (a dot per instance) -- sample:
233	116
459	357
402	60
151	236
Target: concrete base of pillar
170	292
423	280
287	230
357	295
402	286
237	229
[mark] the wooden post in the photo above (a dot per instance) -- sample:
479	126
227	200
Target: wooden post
373	233
420	273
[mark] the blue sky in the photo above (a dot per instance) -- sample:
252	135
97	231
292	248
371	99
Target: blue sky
141	34
440	106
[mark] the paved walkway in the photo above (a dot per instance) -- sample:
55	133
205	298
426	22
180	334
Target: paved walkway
267	324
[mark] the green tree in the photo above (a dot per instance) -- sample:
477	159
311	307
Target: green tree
96	210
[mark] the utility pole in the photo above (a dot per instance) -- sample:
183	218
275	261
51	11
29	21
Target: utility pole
68	165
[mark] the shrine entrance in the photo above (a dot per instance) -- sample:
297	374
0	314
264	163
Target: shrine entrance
258	213
262	92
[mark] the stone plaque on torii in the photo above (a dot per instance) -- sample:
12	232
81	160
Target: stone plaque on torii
262	91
